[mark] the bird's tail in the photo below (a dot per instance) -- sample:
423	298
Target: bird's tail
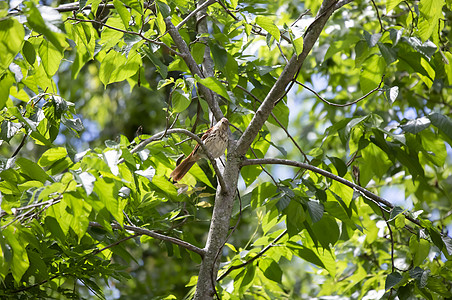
182	169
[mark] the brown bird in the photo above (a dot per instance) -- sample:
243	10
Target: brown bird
215	139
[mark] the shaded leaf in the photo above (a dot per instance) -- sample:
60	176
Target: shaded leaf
416	126
392	279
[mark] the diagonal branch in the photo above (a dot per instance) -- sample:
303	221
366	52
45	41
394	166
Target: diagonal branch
153	234
194	12
277	121
365	192
287	75
194	68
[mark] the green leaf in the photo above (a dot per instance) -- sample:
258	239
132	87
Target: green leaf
134	4
50	57
298	45
8	130
12	35
447	243
417	125
6	82
219	55
426	49
164	9
80	211
295	217
197	51
231	71
388	53
443	123
283	202
326	231
316	210
420	275
33	170
271	269
261	194
87	180
370	77
392	279
421	252
214	85
345	133
29	52
55	229
268	24
74	124
305	253
339	164
107	191
51	156
337	210
430	13
281	112
372	39
116	67
395	35
37	266
391	4
362	51
36	21
392	93
159	65
20	262
376	163
180	101
448	67
397	210
341	45
123	12
248	278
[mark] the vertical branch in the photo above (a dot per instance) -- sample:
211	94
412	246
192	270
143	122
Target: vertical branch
193	66
207	66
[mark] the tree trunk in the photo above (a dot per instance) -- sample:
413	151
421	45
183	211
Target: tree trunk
224	200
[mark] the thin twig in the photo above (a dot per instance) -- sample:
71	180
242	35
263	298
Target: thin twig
32	207
346	104
277	121
390	235
412	17
262	252
280	51
193	13
97	251
306	12
382	29
128	32
23	289
263	169
22	143
153	234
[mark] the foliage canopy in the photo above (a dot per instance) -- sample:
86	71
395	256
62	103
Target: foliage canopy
346	197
